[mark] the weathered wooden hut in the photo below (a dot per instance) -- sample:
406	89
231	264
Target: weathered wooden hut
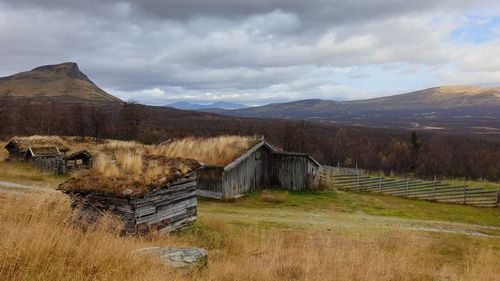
46	153
79	160
164	205
47	158
260	166
18	148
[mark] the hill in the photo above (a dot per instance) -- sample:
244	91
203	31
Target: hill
216	105
61	82
473	109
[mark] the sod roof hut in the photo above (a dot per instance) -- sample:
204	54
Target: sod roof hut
259	166
19	147
146	193
79	160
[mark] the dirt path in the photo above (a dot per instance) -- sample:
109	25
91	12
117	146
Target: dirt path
13	185
337	221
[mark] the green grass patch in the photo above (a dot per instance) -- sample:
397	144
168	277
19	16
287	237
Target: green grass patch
25	173
367	203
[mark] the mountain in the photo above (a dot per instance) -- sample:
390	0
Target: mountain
60	82
473	109
202	107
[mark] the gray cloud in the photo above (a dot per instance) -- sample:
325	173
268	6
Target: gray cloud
252	51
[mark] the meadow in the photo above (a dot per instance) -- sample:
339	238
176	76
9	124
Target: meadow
267	235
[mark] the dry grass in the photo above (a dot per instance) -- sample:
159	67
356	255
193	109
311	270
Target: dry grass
128	173
39	243
39	141
218	151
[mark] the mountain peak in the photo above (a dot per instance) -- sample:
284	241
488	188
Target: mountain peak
69	69
61	82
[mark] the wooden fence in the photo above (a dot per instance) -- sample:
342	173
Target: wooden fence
417	189
344	171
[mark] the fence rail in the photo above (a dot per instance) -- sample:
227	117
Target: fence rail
417	189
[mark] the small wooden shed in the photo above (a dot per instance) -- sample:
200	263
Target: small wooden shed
47	158
167	206
260	166
18	148
79	160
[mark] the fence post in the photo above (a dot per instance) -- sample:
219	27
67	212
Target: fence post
498	198
380	185
407	186
358	181
465	195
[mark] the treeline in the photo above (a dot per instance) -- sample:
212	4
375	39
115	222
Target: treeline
389	151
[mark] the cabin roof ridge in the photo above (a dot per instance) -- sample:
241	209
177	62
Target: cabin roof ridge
247	153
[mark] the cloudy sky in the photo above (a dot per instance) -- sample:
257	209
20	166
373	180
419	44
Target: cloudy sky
256	52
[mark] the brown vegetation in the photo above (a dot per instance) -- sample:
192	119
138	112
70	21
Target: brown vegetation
218	151
128	173
24	143
389	151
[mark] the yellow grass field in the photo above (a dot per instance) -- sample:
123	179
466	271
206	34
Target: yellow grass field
269	235
251	239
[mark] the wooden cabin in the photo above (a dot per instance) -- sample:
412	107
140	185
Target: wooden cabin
46	153
18	148
79	160
166	205
260	166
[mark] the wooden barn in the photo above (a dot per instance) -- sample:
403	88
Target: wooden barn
164	205
260	166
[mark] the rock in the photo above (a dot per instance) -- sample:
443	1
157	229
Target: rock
178	257
127	191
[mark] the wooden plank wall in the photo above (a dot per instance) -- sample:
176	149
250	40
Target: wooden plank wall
248	175
50	164
290	171
210	182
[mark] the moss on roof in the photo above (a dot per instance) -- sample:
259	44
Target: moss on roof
24	143
155	172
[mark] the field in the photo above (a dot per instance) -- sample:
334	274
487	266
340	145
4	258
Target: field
268	235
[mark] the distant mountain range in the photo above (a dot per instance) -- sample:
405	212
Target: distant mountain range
216	105
473	109
61	82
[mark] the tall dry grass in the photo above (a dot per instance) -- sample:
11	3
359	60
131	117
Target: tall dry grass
211	151
38	242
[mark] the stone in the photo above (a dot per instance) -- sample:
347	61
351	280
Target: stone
178	257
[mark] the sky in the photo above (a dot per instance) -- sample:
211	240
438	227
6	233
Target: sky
257	52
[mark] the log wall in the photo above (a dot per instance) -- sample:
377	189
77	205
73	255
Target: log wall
165	209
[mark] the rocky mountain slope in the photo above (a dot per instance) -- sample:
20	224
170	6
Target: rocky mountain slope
61	82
